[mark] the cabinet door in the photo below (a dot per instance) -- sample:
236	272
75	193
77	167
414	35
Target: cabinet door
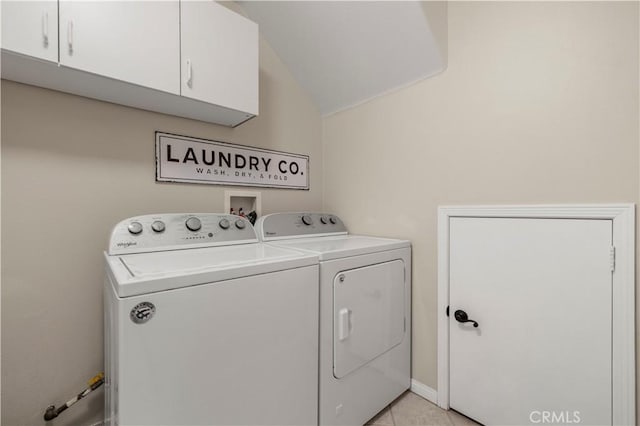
219	56
31	28
137	42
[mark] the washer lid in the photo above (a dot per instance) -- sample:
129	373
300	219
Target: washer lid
142	273
328	248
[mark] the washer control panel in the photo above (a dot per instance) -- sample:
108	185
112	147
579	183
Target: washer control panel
290	225
159	232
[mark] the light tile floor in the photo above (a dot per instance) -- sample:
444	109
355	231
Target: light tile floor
413	410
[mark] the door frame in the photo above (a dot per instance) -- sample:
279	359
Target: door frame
623	296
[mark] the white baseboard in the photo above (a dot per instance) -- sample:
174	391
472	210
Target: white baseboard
424	391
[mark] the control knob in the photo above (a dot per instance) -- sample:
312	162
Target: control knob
224	224
324	220
158	226
240	224
332	220
135	228
306	219
193	224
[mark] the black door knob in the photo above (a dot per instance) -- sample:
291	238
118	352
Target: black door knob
461	316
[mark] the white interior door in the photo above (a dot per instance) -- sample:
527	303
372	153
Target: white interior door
540	291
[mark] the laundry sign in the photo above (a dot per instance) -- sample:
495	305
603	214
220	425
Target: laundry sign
194	160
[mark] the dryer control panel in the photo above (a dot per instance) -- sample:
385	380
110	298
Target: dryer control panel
173	231
290	225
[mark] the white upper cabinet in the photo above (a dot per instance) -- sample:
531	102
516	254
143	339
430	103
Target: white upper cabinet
31	28
219	56
129	53
137	41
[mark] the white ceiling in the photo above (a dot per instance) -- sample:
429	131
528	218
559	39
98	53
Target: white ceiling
346	52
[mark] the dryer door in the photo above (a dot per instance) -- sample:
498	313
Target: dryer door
368	314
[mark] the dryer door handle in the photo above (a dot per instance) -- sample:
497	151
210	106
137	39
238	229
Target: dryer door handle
344	326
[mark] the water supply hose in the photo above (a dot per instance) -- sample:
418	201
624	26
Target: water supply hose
52	412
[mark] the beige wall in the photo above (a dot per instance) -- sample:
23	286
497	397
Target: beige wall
72	168
436	14
539	104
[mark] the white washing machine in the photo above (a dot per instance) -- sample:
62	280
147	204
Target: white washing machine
365	312
205	325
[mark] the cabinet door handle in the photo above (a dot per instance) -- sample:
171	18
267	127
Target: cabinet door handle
189	74
70	37
45	29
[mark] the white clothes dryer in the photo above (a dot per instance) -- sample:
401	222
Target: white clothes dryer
205	325
365	312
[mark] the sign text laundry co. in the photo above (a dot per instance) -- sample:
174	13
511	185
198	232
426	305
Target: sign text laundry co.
194	160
